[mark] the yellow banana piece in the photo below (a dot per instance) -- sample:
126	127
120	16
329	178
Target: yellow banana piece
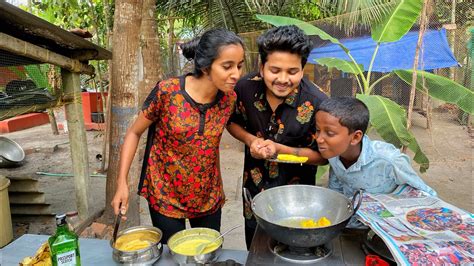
323	222
42	257
308	223
311	223
291	158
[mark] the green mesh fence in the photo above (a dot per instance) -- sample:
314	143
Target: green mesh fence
26	88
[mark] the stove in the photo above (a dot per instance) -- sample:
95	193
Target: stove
343	250
299	254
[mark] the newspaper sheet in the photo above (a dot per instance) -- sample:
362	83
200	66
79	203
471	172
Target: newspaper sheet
420	229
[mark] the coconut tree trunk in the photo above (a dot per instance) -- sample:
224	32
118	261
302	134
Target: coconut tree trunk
125	99
150	67
150	50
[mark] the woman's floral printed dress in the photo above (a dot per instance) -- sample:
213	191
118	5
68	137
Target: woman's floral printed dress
182	176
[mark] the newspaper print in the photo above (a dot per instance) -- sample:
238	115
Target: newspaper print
420	229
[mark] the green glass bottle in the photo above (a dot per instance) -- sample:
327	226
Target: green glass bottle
64	244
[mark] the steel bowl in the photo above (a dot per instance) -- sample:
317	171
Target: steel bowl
273	206
145	256
11	153
188	234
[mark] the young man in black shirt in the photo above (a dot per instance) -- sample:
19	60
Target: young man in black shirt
274	114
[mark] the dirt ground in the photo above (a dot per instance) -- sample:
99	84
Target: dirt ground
448	145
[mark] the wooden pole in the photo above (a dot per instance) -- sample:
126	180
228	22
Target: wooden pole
107	111
54	81
423	21
78	140
452	38
52	122
171	59
108	121
20	47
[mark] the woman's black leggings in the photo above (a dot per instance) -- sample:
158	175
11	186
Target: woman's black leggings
169	225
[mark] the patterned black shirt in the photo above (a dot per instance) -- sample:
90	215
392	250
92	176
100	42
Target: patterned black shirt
292	124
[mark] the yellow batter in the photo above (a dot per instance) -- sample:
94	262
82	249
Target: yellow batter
292	158
189	247
135	241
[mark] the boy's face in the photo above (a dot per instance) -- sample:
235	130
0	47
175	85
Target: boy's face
333	138
282	73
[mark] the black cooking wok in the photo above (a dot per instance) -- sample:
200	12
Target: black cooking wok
278	210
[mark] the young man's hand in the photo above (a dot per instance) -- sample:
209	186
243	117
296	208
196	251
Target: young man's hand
269	149
256	149
263	149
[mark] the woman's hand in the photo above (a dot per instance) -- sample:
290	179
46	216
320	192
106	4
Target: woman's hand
121	196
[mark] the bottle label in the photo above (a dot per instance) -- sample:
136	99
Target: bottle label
67	258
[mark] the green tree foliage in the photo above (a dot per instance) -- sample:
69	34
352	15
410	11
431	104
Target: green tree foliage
69	14
94	16
300	9
236	15
352	13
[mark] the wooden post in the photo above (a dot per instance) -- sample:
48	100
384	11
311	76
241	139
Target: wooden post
452	38
54	80
52	122
78	140
171	55
423	22
107	118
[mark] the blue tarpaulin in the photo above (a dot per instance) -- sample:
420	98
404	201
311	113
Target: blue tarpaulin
395	55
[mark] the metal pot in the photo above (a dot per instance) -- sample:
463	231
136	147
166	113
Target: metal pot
273	206
145	256
11	153
188	234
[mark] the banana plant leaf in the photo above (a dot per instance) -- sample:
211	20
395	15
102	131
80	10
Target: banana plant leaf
397	24
35	73
389	119
305	26
441	88
340	64
18	72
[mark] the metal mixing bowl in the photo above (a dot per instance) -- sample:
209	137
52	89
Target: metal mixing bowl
11	154
145	256
187	234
